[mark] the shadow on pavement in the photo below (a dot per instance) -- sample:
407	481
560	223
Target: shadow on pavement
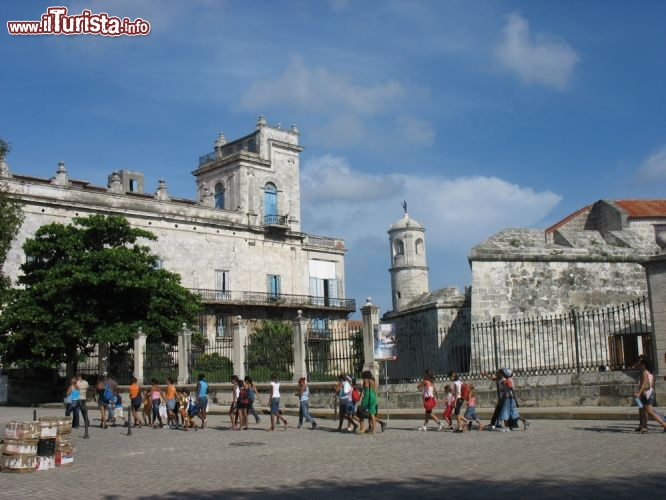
432	488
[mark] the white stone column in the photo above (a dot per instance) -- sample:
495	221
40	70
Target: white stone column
300	332
184	349
139	350
240	339
370	314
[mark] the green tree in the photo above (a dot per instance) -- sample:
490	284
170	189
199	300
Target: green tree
86	283
271	350
11	218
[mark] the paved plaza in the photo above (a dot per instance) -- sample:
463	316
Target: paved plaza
552	459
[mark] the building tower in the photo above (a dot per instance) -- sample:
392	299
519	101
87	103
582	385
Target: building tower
409	270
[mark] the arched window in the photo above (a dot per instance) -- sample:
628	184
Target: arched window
270	202
399	247
219	195
419	246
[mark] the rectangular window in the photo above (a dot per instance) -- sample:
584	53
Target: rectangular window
222	288
224	327
659	230
274	285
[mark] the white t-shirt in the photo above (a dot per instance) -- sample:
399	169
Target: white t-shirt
345	391
275	386
457	389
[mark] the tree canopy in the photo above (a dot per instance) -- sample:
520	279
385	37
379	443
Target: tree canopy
90	282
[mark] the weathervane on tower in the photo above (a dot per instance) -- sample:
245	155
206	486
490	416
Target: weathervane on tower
404	206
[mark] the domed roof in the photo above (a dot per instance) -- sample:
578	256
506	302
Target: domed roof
406	222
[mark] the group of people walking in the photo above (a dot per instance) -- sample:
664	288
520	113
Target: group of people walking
458	394
358	405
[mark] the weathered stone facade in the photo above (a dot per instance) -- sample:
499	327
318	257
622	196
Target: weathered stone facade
589	260
239	243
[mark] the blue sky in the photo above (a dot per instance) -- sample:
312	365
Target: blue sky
482	115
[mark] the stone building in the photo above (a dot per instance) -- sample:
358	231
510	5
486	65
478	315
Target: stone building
590	259
239	243
432	327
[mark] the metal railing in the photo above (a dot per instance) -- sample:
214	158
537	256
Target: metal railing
214	360
273	299
328	353
606	339
275	220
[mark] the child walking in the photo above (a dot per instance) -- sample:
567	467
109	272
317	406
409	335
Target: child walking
470	412
429	401
275	403
449	405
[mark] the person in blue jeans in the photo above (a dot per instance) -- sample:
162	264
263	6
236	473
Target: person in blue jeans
202	398
304	399
73	394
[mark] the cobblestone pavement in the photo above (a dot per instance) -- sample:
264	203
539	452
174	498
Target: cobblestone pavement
552	459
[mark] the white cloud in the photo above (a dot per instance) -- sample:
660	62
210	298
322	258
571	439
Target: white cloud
540	59
654	166
330	179
317	89
456	212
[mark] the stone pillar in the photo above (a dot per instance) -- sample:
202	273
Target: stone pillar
240	339
184	350
655	270
103	358
300	332
139	350
370	315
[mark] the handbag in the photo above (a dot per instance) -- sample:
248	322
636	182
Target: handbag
67	400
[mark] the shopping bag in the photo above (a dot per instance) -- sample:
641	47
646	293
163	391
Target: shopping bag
163	411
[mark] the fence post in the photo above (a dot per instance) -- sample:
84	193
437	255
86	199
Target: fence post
496	365
300	332
370	314
139	350
240	339
574	324
184	349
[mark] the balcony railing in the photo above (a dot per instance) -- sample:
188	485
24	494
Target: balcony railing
275	220
272	299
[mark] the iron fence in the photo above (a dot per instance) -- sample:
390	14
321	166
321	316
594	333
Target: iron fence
159	362
606	339
215	361
119	365
331	352
267	355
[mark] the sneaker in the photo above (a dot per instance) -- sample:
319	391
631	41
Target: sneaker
382	425
440	426
423	428
526	424
514	429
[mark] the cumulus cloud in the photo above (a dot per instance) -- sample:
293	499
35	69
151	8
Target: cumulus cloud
654	166
317	89
535	59
330	179
459	211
